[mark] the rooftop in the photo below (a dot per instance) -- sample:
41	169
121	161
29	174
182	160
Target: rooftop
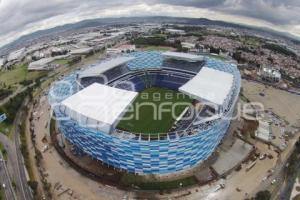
98	104
85	50
43	63
209	85
16	54
183	56
104	66
175	30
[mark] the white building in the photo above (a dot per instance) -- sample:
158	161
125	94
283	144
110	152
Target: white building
270	74
82	51
16	55
45	63
188	45
121	49
175	31
2	60
263	131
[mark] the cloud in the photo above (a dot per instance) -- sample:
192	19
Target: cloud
18	18
273	11
193	3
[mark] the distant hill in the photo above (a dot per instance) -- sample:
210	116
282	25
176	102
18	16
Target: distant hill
132	20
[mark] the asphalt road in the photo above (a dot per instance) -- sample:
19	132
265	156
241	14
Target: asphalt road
16	161
15	157
21	174
5	179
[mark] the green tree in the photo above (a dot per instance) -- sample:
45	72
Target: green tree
33	185
263	195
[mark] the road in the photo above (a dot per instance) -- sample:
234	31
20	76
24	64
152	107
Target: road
15	167
16	163
5	179
15	159
21	174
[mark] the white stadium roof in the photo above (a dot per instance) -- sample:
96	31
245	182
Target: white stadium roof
209	85
104	66
98	106
183	56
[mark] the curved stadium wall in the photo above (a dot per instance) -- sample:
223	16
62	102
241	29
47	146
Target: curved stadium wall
168	154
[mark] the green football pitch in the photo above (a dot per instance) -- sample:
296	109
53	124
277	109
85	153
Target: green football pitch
152	111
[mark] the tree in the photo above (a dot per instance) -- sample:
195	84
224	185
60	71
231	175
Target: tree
33	185
201	38
38	82
214	50
298	144
263	195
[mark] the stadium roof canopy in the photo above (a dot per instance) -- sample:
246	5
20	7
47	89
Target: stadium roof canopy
183	56
209	85
104	66
98	106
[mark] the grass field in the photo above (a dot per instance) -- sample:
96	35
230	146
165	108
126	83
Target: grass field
156	48
1	194
20	73
61	61
144	120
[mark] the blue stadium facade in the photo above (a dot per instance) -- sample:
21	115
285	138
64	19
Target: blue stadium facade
132	152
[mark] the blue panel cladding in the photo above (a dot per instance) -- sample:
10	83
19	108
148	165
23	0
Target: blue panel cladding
144	60
145	157
172	154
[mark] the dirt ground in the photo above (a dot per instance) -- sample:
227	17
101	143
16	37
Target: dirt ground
249	182
282	103
60	173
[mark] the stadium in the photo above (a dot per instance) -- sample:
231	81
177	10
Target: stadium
92	108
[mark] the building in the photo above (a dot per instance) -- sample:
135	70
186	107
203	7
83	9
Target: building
82	51
121	49
175	31
16	55
188	45
2	61
45	63
58	51
37	55
270	74
264	132
92	128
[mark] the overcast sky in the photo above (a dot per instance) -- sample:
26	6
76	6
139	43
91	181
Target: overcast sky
20	17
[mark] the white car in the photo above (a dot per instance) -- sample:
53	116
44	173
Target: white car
273	181
263	156
3	185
